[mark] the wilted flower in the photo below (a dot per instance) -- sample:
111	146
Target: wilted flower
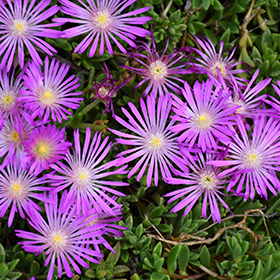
102	21
20	25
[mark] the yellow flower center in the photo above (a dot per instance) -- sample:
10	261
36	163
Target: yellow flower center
83	176
57	239
14	136
252	159
19	26
221	68
203	121
42	149
202	118
158	70
156	142
102	18
208	180
8	99
16	188
48	95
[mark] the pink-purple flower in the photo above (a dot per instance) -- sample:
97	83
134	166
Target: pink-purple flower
102	21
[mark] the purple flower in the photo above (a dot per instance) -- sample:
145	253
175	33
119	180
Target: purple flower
106	89
158	71
49	94
14	132
20	25
204	181
18	188
64	238
252	162
84	174
204	116
102	21
152	142
275	103
216	65
45	145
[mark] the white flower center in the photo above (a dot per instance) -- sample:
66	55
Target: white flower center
208	180
16	190
102	19
158	70
252	159
81	178
19	27
221	67
47	97
203	121
7	101
103	92
58	240
155	142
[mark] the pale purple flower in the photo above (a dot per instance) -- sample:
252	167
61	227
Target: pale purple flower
85	174
252	161
204	115
152	143
18	188
20	25
49	94
12	136
102	21
45	145
160	71
275	103
216	65
64	238
202	182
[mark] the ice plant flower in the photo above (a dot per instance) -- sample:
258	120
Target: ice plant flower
252	162
248	99
63	238
204	116
84	174
49	94
158	70
106	89
18	189
275	103
204	181
216	65
20	24
102	21
152	142
45	145
14	132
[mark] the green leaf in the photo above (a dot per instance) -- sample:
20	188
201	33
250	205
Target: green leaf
34	268
158	276
226	36
157	211
158	249
90	274
104	57
184	257
175	16
14	275
120	269
208	33
139	231
236	253
267	267
266	39
155	2
205	4
2	254
227	24
196	4
113	258
4	270
205	256
172	258
220	248
217	5
258	271
164	228
158	264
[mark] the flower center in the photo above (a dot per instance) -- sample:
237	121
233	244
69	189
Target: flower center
208	180
16	190
19	27
102	19
103	92
81	178
42	150
7	101
221	68
58	240
14	136
252	159
203	121
47	97
158	70
156	142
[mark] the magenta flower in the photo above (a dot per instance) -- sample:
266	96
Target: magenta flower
18	188
20	25
12	136
216	65
204	182
45	145
152	142
275	103
84	175
64	238
49	94
106	89
252	162
204	116
159	71
102	21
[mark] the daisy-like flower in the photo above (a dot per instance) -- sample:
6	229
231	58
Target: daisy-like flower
106	89
18	188
247	99
204	116
152	142
275	103
20	25
252	162
63	238
84	174
216	65
204	181
102	21
13	134
49	94
45	145
158	70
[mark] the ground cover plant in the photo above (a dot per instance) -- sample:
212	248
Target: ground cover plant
139	139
